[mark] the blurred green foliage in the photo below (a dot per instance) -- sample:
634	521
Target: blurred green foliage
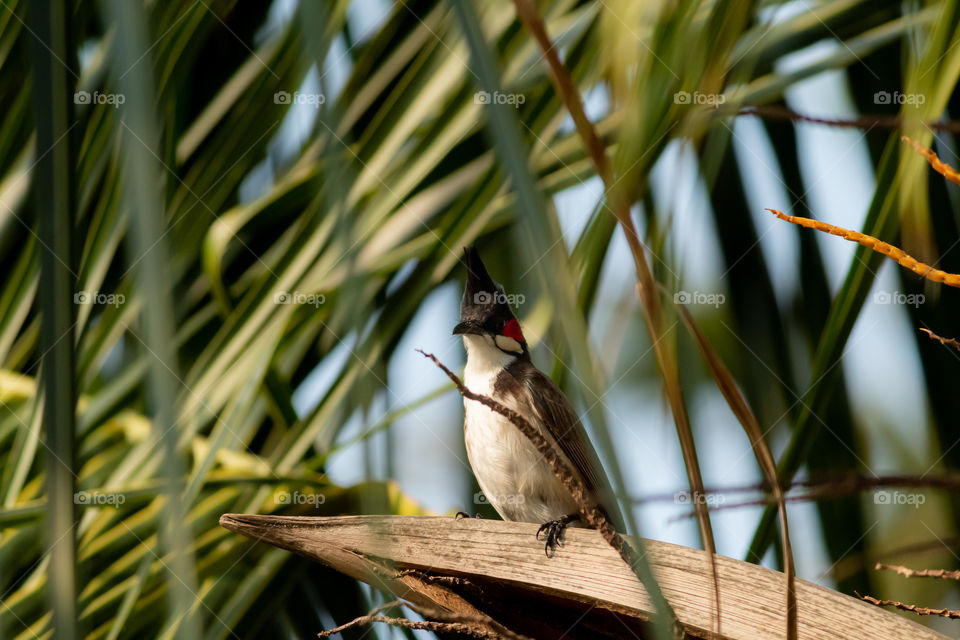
220	256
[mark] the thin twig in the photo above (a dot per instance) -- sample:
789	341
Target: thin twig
858	561
761	451
947	342
426	625
894	253
867	121
852	483
441	622
936	163
817	490
829	486
435	579
942	574
920	611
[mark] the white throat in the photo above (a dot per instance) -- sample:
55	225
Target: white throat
484	361
511	472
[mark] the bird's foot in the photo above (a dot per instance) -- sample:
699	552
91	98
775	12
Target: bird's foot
554	532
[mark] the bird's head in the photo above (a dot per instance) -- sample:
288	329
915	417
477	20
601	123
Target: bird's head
486	321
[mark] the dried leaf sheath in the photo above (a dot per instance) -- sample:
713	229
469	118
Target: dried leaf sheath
892	252
938	165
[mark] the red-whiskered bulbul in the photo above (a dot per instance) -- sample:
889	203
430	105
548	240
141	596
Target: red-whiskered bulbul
513	475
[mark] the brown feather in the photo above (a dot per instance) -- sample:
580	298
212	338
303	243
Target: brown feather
533	388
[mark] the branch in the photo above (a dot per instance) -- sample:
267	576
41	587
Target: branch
829	486
947	342
942	574
938	165
920	611
443	622
818	489
894	253
782	114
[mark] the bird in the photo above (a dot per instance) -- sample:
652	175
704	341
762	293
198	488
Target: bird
513	476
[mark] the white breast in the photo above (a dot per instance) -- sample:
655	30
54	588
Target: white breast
515	479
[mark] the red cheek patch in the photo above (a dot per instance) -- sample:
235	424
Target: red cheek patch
512	330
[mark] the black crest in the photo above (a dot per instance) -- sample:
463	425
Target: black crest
484	301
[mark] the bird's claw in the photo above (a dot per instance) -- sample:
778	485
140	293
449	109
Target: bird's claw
553	533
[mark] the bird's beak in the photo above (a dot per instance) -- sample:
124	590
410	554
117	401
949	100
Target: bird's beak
467	328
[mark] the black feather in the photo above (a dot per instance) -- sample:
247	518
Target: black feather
484	301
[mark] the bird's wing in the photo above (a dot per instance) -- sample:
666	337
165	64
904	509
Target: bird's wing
562	423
